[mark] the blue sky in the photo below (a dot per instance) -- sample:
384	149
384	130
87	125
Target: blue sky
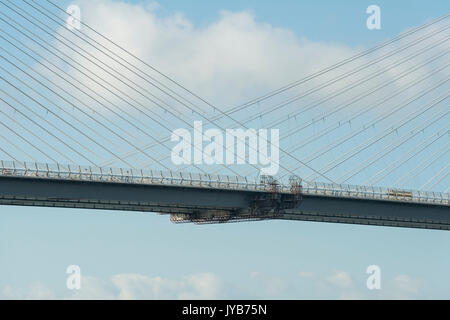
133	255
325	20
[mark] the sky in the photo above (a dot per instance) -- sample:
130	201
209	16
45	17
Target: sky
125	255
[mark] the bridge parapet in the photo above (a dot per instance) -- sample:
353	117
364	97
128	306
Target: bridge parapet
156	177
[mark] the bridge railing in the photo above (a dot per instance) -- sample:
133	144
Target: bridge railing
120	175
376	193
156	177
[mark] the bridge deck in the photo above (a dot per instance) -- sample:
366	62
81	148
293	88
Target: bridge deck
201	204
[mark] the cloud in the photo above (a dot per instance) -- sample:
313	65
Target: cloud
36	291
132	286
405	287
340	279
94	289
208	285
337	285
343	285
230	60
406	283
265	286
197	286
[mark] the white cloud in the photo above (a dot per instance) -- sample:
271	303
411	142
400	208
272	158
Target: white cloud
342	285
197	286
228	61
132	286
405	287
340	279
203	286
36	291
338	285
232	59
94	289
129	286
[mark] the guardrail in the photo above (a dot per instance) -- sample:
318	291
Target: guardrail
120	175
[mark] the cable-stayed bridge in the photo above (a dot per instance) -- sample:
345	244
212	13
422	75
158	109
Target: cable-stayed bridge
368	135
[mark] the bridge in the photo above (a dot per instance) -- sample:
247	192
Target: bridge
74	96
217	199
